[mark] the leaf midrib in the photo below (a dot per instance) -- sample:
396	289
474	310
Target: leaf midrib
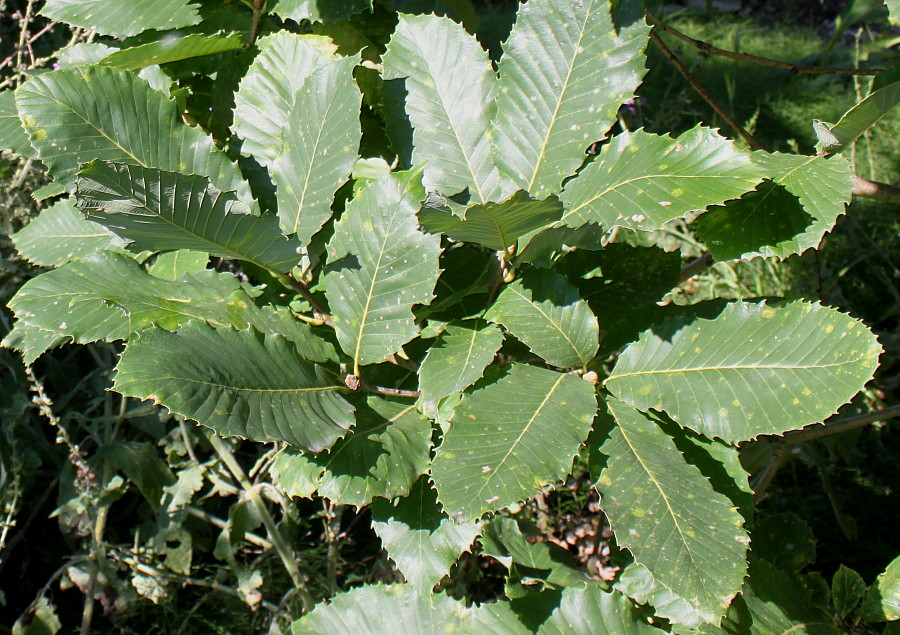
562	92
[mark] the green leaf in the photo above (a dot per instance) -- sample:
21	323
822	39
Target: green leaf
267	94
173	265
510	439
376	610
172	50
636	582
847	590
32	340
159	210
754	369
593	611
384	455
12	134
319	149
458	358
316	11
59	234
642	181
421	540
503	539
666	512
450	88
39	620
494	225
545	312
882	601
107	296
379	266
563	75
239	383
785	540
125	17
864	115
782	217
77	115
142	465
774	602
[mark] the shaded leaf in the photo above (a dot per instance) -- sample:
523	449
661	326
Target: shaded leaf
774	602
379	266
32	341
12	134
375	610
458	357
159	210
666	512
239	383
60	234
882	601
593	611
319	148
421	540
142	465
563	75
384	455
450	88
636	581
172	50
642	181
754	369
847	590
510	439
317	11
494	225
784	540
125	17
546	313
78	115
782	217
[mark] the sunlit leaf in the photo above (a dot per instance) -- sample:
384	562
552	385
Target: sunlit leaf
666	512
592	611
510	439
60	234
124	17
545	312
376	610
754	369
379	266
458	357
563	75
172	50
421	540
642	181
450	88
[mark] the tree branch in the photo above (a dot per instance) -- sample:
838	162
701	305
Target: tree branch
762	61
701	90
877	191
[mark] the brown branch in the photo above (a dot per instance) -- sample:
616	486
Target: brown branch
877	191
354	383
765	477
762	61
701	90
696	266
841	425
320	311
